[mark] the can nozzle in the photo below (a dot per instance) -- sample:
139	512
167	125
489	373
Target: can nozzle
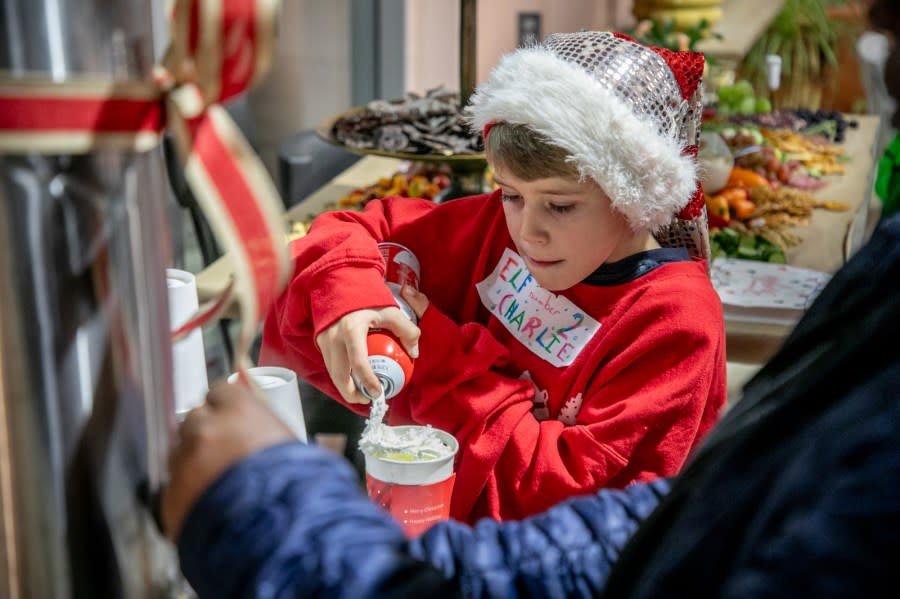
387	386
362	388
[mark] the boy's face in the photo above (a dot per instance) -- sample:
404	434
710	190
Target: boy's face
563	228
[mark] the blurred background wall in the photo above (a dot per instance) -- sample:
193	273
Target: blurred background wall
335	54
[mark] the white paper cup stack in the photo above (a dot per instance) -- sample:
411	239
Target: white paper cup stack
188	356
283	394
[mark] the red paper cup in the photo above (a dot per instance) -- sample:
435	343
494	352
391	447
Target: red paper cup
416	494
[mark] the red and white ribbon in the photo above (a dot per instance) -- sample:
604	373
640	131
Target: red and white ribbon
218	49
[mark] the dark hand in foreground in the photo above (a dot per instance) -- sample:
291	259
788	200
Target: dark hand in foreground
231	425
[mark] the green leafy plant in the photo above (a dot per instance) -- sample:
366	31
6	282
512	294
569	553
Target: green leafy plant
805	38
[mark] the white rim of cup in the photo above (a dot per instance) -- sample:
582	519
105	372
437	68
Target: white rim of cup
291	415
182	276
284	374
425	472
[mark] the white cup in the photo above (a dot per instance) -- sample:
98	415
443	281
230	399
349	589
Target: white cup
281	390
188	356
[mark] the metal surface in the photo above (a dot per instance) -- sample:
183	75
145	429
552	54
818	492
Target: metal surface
85	365
65	37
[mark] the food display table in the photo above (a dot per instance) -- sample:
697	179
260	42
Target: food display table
832	237
828	241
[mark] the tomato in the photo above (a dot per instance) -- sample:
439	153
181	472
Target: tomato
716	222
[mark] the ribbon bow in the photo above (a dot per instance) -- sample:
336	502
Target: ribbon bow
218	49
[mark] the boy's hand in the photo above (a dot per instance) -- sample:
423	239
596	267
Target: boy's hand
231	425
343	347
416	300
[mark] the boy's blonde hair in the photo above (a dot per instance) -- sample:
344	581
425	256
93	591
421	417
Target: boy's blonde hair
527	154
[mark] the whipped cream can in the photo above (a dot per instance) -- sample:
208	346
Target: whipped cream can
389	360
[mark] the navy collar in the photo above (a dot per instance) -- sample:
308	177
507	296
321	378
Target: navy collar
635	266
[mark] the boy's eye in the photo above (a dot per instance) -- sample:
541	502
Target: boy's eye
561	208
510	197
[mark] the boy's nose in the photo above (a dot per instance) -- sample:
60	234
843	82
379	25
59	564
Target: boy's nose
532	228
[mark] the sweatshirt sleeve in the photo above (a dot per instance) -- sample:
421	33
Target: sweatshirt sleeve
291	521
338	269
639	419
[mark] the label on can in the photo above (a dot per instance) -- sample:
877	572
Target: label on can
401	267
389	373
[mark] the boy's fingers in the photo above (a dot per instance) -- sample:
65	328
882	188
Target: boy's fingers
394	320
416	299
339	371
362	375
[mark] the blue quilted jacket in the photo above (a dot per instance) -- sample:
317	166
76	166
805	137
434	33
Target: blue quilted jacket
796	493
291	521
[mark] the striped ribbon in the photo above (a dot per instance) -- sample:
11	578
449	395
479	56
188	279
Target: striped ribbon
218	49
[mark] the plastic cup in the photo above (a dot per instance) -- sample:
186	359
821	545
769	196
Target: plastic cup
417	494
279	385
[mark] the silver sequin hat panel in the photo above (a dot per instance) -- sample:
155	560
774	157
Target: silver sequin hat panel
637	75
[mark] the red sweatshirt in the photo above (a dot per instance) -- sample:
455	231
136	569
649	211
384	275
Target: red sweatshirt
550	395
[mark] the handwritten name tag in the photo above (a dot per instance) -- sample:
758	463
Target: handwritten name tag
550	325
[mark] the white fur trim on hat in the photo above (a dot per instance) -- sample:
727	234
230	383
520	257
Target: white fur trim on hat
644	173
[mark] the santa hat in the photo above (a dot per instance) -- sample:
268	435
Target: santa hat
628	116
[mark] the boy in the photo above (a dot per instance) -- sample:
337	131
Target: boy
796	492
561	345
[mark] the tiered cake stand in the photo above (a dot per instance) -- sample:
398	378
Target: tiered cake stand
468	170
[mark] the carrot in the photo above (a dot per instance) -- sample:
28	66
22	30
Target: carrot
731	202
743	209
742	177
716	222
739	202
734	194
